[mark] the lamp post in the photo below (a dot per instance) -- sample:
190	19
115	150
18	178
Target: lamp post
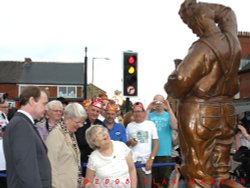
85	74
93	68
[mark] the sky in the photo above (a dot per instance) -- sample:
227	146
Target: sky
59	31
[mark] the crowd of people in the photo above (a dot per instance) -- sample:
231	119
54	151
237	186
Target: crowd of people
50	144
53	144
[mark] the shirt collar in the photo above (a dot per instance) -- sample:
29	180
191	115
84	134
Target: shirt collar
28	115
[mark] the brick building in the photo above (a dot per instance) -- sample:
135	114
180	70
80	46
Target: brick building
242	104
244	72
60	79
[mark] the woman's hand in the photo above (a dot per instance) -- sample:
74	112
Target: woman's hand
244	132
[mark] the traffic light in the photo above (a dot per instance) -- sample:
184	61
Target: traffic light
130	64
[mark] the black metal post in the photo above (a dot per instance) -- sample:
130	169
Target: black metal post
85	74
127	104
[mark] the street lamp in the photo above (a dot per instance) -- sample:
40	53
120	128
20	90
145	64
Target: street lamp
93	64
93	68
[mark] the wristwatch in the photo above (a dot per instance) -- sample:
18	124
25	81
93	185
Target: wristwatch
152	158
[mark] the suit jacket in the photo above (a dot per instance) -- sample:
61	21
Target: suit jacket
26	155
64	157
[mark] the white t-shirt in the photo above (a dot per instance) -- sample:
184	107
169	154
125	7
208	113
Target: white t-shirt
112	170
144	133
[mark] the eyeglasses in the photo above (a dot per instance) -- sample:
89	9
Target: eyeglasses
57	111
78	122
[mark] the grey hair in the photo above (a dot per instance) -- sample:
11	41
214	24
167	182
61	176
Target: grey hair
90	134
54	102
75	110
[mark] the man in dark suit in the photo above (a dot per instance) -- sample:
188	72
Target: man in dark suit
25	153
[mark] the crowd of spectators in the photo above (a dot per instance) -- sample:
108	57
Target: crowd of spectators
73	146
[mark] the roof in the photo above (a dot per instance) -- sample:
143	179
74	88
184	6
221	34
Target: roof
54	73
10	72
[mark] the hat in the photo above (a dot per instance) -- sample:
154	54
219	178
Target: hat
111	107
97	104
86	103
138	104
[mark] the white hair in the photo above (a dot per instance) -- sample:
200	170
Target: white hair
54	102
75	110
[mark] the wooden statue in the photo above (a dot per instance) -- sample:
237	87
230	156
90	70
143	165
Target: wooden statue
205	82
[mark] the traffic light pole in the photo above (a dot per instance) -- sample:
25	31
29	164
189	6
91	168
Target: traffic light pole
127	104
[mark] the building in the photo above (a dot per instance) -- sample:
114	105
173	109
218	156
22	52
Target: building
242	104
60	79
244	72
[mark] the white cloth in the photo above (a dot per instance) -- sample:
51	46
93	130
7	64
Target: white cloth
2	158
144	133
244	141
3	123
101	117
113	170
3	120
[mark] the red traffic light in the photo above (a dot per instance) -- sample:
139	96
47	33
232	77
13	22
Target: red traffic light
131	60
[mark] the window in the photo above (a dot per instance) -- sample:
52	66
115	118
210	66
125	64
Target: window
243	63
23	86
66	91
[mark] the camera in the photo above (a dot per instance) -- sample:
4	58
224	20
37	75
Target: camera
158	102
3	97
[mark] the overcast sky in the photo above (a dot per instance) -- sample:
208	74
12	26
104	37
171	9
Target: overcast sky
59	30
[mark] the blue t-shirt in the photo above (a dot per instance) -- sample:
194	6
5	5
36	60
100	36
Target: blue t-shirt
164	130
118	132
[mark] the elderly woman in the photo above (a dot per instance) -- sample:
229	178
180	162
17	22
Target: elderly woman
110	164
63	151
